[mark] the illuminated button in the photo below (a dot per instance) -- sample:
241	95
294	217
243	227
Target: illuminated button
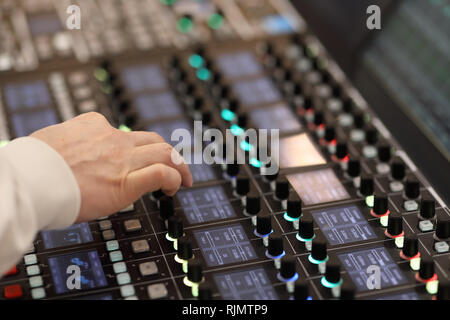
105	225
132	225
157	291
112	245
140	246
13	291
410	205
119	267
127	291
13	271
148	268
396	186
123	278
108	235
115	256
441	247
33	270
30	259
38	293
426	226
36	281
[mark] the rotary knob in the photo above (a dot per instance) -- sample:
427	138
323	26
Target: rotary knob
282	188
442	228
184	250
397	170
275	247
253	203
166	207
175	227
380	205
366	186
263	224
353	168
301	291
412	189
288	267
410	246
427	209
195	271
242	185
294	206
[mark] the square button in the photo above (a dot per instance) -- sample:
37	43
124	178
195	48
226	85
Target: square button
105	225
108	235
132	225
36	281
115	256
157	291
123	278
426	225
119	267
140	246
127	291
112	245
148	268
30	259
441	247
38	293
13	291
33	270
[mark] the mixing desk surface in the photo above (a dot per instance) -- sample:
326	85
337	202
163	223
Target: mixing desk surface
345	215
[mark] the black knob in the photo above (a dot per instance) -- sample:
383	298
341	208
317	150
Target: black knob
341	150
206	117
124	106
333	270
442	228
371	136
384	153
348	105
427	209
275	247
157	194
184	249
306	227
174	62
330	134
298	90
195	270
319	248
358	120
380	205
410	245
232	169
242	120
242	185
347	291
204	291
412	189
288	267
253	203
294	206
282	188
318	118
398	170
366	186
395	224
175	227
301	291
426	270
263	223
130	120
166	207
271	177
443	290
233	105
353	168
307	103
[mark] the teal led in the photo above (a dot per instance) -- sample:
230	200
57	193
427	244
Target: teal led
289	218
195	61
124	128
203	74
328	284
303	239
215	21
236	130
246	146
315	261
370	200
185	24
227	115
255	163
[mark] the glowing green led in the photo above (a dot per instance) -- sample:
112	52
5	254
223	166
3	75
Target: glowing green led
432	286
369	201
124	128
227	115
195	61
255	163
167	2
328	284
215	21
315	261
106	89
246	146
185	24
236	130
203	74
3	143
101	74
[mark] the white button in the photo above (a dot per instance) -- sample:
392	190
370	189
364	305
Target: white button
119	267
157	291
410	205
127	290
33	270
148	268
425	225
30	259
383	168
370	152
115	256
357	135
38	293
123	278
441	247
396	186
36	281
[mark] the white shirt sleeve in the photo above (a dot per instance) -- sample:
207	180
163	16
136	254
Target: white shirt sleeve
37	191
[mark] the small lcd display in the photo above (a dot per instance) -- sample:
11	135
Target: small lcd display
144	77
318	186
276	117
250	284
91	271
225	245
166	128
344	224
76	234
28	122
299	151
363	264
259	91
27	95
156	106
202	172
238	64
205	204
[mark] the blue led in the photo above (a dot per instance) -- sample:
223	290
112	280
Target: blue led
236	130
268	255
227	115
294	278
312	260
262	235
289	218
329	284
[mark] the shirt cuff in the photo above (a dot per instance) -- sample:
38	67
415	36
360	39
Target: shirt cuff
47	181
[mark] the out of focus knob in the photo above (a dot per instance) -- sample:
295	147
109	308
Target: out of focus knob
412	189
398	170
275	247
184	250
166	207
442	228
427	209
175	227
410	246
301	291
195	271
282	188
353	168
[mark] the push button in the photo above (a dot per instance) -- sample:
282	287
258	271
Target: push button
132	225
148	268
157	291
13	291
140	246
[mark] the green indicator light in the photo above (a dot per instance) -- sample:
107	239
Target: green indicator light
124	128
106	89
312	260
3	143
236	130
168	2
303	239
289	218
101	74
432	286
369	201
329	284
227	115
195	61
246	146
255	162
215	21
203	74
185	24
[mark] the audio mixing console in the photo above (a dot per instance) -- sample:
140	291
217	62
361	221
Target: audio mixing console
346	216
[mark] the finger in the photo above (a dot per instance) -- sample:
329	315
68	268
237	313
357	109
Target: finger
141	138
152	178
164	153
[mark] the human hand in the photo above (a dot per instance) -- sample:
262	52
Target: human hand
113	168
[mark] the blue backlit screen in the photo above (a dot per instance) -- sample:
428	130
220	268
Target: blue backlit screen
75	234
